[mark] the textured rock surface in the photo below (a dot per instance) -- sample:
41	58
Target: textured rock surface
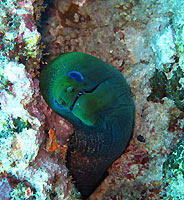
144	40
28	169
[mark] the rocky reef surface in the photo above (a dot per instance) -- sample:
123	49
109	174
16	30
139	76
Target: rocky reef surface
142	39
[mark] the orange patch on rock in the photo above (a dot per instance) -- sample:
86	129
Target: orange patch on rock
52	145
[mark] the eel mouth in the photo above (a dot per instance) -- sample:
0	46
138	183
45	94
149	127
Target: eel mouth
76	98
82	93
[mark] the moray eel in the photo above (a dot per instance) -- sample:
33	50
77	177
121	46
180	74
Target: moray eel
97	100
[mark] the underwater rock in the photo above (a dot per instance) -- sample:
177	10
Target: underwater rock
21	113
173	170
139	38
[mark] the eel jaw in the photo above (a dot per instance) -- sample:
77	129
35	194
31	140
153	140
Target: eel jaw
82	93
77	97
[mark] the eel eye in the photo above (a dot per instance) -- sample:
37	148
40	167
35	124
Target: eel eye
59	106
75	75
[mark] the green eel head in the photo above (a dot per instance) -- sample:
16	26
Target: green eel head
77	86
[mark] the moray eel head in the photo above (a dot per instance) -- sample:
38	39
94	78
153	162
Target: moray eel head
74	91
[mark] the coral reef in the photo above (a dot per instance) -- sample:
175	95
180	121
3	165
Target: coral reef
168	87
173	170
28	170
143	40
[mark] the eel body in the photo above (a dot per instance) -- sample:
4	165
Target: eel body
97	100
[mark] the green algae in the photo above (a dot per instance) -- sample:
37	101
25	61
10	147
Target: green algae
168	79
11	126
5	128
162	86
20	125
20	192
173	170
5	84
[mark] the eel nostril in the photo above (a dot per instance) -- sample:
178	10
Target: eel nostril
69	89
58	105
62	102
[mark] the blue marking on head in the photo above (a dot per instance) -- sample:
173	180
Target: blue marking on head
59	106
75	75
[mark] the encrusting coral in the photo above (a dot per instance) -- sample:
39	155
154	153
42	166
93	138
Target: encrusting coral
143	40
27	170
